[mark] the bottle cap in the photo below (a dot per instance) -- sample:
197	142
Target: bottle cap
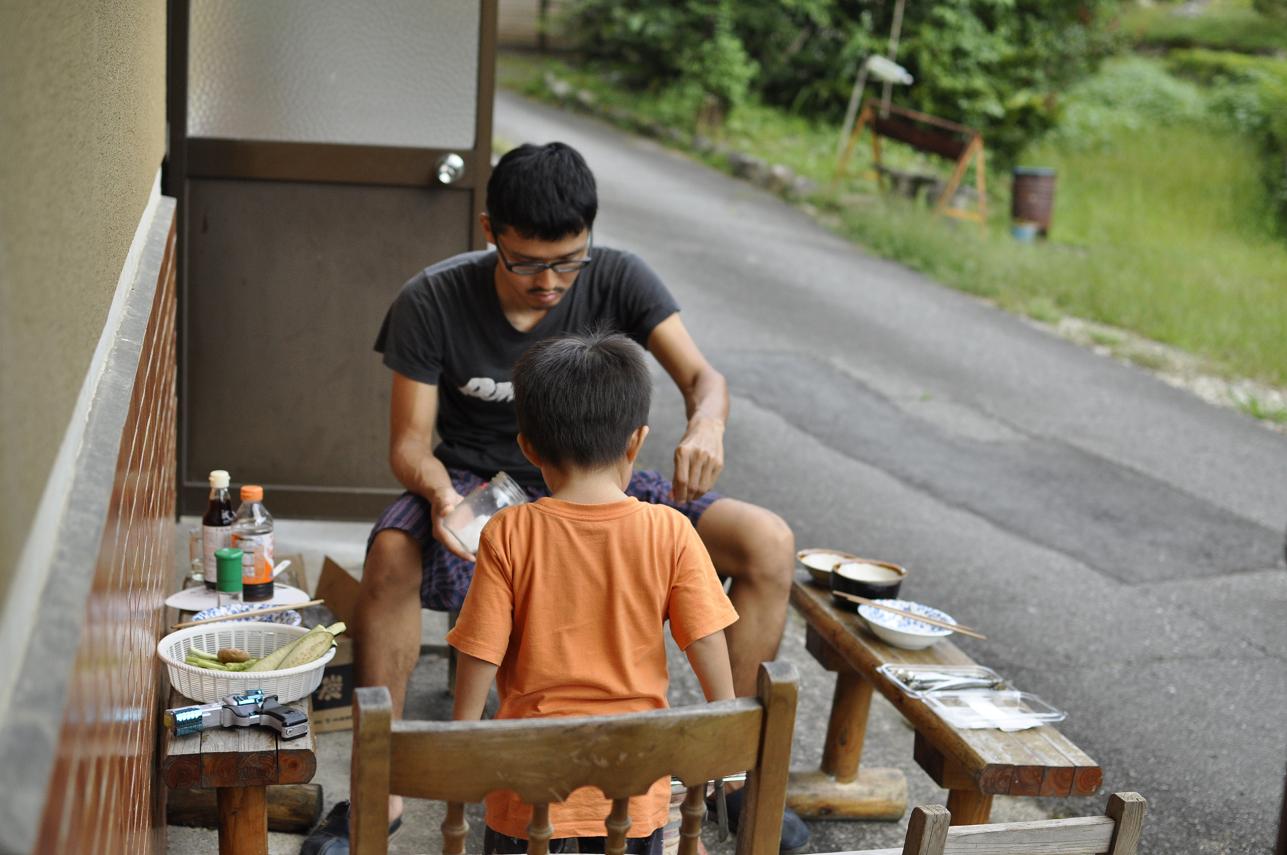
252	493
228	560
218	478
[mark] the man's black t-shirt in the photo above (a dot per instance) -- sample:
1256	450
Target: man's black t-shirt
446	328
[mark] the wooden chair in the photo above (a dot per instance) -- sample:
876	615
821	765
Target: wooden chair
1117	833
544	760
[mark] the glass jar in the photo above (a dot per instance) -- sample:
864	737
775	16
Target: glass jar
467	519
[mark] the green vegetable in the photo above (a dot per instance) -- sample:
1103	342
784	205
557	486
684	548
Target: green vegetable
312	646
317	641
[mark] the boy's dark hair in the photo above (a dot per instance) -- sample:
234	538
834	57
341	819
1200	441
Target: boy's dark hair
545	192
579	397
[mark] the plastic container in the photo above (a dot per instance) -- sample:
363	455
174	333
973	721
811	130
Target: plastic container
216	525
257	639
252	533
228	583
999	710
467	519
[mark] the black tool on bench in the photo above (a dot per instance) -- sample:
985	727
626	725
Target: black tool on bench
249	708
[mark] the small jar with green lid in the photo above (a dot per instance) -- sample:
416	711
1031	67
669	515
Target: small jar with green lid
228	580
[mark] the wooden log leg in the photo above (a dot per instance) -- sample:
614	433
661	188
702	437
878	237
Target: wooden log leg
838	790
293	808
847	727
969	807
243	821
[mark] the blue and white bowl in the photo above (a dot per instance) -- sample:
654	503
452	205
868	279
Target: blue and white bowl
904	632
290	617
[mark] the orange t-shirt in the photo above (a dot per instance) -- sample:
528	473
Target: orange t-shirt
569	600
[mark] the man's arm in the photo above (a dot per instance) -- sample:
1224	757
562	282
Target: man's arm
413	409
709	658
473	678
700	456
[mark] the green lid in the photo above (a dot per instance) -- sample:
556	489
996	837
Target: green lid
228	560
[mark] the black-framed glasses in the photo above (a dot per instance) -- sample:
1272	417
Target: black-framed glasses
532	268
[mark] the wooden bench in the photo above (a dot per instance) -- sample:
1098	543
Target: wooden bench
973	765
240	763
1116	833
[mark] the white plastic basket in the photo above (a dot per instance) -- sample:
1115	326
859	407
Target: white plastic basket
258	639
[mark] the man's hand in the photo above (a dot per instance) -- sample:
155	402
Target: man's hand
699	459
441	503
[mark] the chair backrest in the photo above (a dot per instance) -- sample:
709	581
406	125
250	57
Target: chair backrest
544	760
1116	833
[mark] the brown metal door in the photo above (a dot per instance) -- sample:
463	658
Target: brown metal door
322	153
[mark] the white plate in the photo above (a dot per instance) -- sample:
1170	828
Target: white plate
197	598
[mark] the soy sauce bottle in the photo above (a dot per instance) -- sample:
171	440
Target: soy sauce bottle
216	526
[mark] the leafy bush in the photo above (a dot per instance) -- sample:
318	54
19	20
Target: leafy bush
1250	97
995	64
1131	94
1271	8
689	44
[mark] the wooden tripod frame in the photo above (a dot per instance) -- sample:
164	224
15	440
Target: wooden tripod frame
932	135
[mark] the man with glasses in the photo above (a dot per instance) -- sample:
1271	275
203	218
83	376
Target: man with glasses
451	339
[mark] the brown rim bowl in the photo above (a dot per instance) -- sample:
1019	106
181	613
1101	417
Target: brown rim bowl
875	580
817	562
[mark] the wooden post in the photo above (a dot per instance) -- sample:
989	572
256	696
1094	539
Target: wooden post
369	790
1127	811
243	821
969	807
759	830
926	831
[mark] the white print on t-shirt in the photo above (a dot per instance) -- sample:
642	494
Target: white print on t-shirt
488	389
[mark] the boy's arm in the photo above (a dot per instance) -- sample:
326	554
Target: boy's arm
709	658
473	678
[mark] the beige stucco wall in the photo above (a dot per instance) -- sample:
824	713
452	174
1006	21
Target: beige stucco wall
82	133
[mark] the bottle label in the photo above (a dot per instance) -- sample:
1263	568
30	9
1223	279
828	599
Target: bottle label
213	537
256	557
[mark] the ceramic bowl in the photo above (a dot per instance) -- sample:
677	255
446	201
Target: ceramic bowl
904	632
874	580
290	617
818	561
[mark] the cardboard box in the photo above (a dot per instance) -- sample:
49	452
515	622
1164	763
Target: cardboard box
333	699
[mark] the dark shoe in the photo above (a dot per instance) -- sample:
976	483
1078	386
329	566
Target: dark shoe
331	836
794	832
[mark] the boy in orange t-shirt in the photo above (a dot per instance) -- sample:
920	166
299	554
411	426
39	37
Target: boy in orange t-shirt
570	592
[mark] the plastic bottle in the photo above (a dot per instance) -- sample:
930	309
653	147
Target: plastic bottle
216	526
252	533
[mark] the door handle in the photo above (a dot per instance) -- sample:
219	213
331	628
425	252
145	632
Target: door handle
450	167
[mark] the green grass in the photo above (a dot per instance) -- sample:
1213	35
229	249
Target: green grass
1164	231
1224	25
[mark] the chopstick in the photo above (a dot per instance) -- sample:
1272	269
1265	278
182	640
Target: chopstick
955	627
244	615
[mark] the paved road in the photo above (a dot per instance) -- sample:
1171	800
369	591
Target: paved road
1120	541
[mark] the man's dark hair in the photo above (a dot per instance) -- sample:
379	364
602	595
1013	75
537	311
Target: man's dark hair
580	397
544	192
